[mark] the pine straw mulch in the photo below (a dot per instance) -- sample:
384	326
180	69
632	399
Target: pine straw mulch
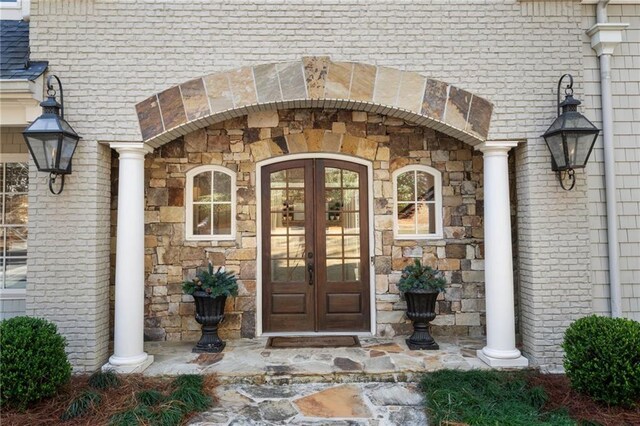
114	400
582	407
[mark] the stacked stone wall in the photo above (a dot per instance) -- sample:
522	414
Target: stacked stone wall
389	143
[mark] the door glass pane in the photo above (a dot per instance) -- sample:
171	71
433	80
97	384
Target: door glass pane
278	247
351	222
352	245
296	269
278	197
334	246
278	179
277	226
352	269
351	199
426	191
279	270
406	218
296	246
406	186
350	179
332	177
334	270
202	219
295	178
222	219
426	218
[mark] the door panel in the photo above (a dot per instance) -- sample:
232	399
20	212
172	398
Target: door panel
342	246
315	246
287	237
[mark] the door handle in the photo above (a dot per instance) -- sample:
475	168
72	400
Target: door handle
310	270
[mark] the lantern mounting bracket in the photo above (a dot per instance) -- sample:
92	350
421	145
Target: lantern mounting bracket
570	173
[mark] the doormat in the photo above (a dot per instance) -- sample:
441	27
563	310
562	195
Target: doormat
313	342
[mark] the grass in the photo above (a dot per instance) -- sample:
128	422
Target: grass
109	399
488	398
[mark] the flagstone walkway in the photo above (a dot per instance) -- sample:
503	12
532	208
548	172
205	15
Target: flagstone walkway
246	361
352	404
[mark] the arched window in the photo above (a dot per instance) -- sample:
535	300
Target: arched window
211	204
417	203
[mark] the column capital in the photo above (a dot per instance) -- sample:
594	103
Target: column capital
496	147
131	147
605	37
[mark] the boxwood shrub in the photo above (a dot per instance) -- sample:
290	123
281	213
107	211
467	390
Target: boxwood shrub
602	359
32	359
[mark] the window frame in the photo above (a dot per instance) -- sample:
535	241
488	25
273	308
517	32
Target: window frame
12	293
437	183
189	235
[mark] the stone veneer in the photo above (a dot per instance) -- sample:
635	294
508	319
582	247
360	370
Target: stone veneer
389	143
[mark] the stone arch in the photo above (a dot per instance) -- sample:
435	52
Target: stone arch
314	82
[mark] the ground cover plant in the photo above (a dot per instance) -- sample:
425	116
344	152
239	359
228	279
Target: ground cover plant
515	398
109	399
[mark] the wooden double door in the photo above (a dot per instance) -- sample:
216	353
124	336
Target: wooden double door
315	246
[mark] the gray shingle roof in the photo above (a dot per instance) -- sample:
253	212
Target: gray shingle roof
14	52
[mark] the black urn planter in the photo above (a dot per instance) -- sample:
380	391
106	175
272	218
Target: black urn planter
421	306
209	313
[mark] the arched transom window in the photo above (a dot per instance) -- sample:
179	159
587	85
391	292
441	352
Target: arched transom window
417	207
211	203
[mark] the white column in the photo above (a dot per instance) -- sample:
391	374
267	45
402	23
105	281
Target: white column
498	262
128	351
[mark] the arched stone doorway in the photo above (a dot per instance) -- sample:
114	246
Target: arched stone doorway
196	109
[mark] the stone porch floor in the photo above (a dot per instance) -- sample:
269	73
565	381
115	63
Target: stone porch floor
246	361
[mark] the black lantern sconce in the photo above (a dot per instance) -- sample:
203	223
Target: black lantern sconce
51	140
570	138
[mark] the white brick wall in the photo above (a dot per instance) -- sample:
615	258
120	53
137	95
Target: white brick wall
112	54
625	77
68	264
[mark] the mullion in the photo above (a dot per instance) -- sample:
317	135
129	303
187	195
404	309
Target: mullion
211	204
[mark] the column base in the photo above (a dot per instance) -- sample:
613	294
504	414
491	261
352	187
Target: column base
138	367
519	362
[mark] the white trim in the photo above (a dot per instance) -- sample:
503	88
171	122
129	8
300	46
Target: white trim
13	294
372	286
19	157
437	183
189	236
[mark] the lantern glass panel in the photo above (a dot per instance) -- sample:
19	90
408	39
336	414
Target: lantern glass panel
583	149
554	142
577	121
68	147
45	149
45	123
557	124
